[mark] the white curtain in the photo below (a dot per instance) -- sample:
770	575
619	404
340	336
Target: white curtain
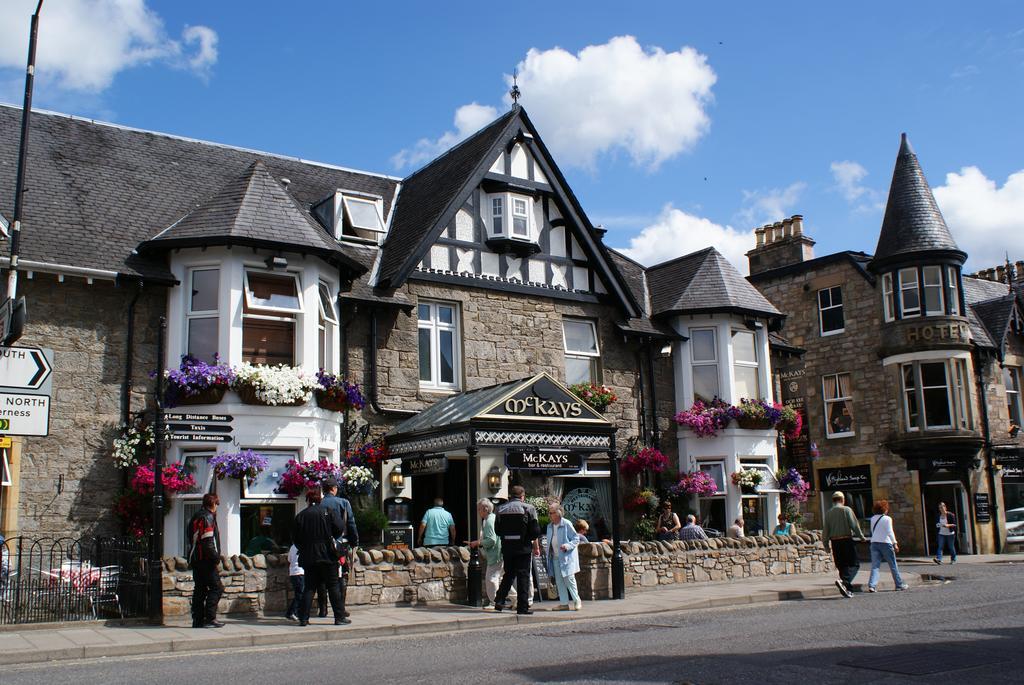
603	486
557	488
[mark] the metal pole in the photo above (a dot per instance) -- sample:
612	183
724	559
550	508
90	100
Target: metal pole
618	564
474	574
157	538
19	183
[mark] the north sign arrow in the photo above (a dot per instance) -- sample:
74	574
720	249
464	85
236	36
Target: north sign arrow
23	367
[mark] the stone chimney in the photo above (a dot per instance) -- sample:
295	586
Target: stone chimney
999	273
780	244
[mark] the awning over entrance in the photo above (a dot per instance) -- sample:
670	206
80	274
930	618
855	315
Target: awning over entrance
531	412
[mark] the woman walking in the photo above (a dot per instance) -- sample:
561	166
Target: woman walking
563	559
947	535
883	546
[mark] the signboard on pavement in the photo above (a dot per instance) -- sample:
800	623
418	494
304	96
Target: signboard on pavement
26	369
22	414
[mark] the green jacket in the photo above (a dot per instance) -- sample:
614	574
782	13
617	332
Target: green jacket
490	543
840	522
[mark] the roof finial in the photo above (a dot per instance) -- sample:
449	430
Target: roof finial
515	93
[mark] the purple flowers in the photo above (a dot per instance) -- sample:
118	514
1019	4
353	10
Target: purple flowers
795	486
245	464
706	420
339	392
193	377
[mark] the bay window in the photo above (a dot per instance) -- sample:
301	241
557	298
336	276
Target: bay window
272	304
202	313
327	324
910	296
704	363
1011	380
933	291
581	351
838	399
888	298
935	395
438	329
510	216
745	365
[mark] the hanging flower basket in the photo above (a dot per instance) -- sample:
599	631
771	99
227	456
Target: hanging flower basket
597	396
747	480
246	464
300	476
209	396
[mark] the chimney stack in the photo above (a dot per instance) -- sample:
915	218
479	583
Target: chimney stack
780	244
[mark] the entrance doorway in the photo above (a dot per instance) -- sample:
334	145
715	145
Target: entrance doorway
453	487
953	494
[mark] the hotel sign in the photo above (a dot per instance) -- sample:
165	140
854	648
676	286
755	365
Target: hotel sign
535	459
954	332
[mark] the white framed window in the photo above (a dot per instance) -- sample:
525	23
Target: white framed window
361	218
830	310
911	410
704	363
935	390
510	215
498	215
769	483
327	326
932	282
960	394
935	395
715	469
952	290
439	345
196	463
910	295
266	484
838	398
888	298
272	304
745	365
202	313
520	217
582	351
711	509
1011	380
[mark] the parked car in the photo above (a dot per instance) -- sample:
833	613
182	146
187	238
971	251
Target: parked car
1015	525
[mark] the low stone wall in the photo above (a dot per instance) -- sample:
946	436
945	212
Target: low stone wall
259	585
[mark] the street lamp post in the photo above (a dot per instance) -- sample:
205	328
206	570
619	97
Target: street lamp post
618	564
156	550
474	574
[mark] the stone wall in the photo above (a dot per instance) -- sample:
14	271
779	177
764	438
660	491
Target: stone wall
259	585
86	326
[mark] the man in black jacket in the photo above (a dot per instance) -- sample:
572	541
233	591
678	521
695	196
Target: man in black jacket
313	534
204	554
344	508
517	525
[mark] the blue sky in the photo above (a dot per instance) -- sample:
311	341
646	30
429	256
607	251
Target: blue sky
712	119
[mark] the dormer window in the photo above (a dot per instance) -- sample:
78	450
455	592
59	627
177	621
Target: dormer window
352	216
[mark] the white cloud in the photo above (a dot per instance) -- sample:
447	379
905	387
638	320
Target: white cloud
987	221
468	120
675	233
84	44
848	176
769	205
617	96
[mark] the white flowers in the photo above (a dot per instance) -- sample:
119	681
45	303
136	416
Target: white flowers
129	443
276	385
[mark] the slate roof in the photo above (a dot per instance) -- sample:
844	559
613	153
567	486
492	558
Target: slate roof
96	191
990	306
704	281
912	221
859	261
428	193
254	209
455	410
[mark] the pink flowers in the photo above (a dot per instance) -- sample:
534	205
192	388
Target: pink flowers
174	479
705	420
646	459
300	476
698	483
597	396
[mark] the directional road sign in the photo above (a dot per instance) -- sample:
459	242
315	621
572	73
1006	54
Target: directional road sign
22	414
26	369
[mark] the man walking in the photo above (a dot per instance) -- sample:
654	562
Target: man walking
314	531
332	502
204	555
437	529
838	533
517	524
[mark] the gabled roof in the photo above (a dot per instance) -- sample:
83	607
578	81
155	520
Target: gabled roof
97	190
431	196
253	209
704	282
993	306
912	222
858	260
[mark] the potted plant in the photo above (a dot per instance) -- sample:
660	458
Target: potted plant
705	420
300	476
245	464
747	480
134	505
196	382
273	386
370	522
597	396
337	394
698	483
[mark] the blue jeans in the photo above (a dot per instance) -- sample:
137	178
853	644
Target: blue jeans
298	587
946	541
883	551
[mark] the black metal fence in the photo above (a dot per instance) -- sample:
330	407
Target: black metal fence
47	580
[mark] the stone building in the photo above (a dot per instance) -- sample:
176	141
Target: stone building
907	370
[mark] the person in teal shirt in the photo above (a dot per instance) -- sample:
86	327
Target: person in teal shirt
437	527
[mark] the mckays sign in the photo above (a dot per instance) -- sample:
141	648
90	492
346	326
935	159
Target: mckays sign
535	406
543	460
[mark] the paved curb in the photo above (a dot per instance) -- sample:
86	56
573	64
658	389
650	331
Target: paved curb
311	635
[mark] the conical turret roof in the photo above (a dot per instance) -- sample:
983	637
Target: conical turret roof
912	223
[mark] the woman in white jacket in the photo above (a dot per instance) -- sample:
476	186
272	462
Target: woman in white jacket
883	546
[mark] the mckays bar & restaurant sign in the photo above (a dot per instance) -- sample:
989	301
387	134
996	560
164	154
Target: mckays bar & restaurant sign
543	460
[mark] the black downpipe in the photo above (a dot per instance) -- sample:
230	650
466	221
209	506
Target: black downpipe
642	414
654	396
374	402
986	433
129	366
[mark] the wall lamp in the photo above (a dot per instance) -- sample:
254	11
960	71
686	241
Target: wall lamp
396	480
494	480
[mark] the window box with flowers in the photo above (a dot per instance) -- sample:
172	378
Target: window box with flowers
705	420
337	394
246	464
196	382
597	396
747	480
274	386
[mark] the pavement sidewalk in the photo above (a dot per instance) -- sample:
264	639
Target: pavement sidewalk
111	639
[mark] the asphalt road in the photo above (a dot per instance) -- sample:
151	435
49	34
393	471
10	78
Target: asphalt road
968	630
